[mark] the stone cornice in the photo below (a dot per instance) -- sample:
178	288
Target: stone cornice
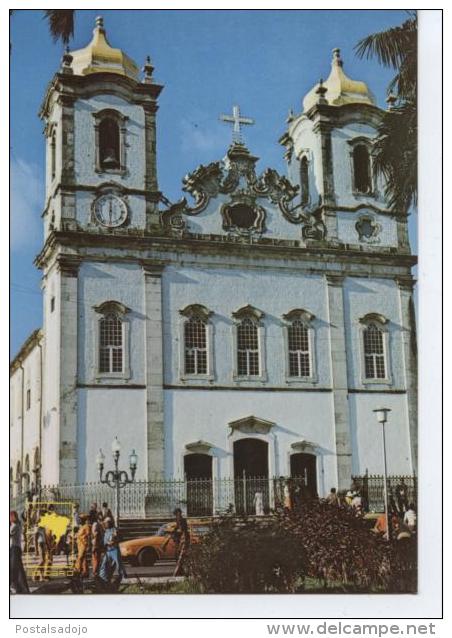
288	250
68	265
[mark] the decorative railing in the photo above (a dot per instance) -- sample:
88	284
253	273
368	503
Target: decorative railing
211	497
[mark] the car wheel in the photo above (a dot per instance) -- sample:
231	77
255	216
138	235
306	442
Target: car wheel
147	557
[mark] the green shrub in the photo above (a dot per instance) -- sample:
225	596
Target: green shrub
247	556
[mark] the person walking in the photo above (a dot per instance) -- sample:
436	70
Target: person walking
17	576
105	513
112	557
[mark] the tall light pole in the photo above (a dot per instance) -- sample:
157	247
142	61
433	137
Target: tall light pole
116	478
382	417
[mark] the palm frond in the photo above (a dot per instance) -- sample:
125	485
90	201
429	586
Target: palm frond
390	46
61	23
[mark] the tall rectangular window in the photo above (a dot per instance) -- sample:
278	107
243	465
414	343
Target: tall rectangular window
247	348
28	399
299	355
111	344
374	353
195	343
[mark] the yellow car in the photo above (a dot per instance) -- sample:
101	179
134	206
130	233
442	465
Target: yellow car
147	550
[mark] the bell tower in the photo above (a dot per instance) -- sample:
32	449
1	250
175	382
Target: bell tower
101	198
100	133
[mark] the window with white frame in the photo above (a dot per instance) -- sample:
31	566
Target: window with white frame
196	351
112	340
111	344
248	344
299	344
375	347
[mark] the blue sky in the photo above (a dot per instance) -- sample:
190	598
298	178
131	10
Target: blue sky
265	61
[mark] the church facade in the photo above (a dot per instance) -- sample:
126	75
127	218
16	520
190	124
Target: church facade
250	329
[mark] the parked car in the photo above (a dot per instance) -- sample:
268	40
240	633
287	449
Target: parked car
147	550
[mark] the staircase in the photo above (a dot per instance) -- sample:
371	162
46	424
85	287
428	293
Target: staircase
130	528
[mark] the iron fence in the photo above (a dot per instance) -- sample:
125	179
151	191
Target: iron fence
210	497
402	490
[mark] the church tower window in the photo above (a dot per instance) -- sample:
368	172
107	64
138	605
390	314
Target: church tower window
196	342
53	156
248	344
362	169
109	144
375	340
304	181
299	341
111	344
112	356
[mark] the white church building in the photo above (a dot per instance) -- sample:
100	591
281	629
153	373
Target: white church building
251	329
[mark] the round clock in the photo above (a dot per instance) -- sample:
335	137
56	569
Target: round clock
110	211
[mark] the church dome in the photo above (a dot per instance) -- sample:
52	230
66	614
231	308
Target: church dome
100	57
340	89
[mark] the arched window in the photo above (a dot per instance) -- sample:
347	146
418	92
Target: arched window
197	340
111	344
299	343
375	347
110	141
112	340
109	144
362	169
304	181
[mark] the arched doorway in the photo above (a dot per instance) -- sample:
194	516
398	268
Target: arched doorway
250	474
198	474
303	469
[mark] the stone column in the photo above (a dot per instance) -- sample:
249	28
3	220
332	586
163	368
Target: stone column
339	379
68	268
155	433
151	184
409	349
322	128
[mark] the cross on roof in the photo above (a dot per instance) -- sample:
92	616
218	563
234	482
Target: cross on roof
236	120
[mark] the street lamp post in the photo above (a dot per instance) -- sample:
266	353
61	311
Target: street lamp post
116	478
382	417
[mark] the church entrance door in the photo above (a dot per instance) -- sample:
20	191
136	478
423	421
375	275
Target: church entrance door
198	475
250	475
303	469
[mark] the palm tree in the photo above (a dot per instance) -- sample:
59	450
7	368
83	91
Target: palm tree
61	23
396	144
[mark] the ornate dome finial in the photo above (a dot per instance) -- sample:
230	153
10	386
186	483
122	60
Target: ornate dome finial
321	90
147	69
66	62
99	22
337	57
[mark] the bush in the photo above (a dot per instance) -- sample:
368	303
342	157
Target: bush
247	556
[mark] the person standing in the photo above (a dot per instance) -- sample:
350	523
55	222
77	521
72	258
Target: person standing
183	541
97	545
409	518
332	498
112	557
105	513
83	545
17	576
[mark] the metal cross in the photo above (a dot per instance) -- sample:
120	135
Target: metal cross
236	119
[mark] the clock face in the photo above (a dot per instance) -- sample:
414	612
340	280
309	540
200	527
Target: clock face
110	211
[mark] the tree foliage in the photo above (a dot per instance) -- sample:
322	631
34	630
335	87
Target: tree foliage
61	23
396	147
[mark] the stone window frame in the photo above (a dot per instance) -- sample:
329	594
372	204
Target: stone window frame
119	309
369	144
249	312
382	323
121	120
52	137
201	312
307	318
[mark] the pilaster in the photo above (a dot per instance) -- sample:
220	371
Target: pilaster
409	347
68	269
339	379
155	433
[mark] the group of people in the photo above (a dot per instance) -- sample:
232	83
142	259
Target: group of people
96	535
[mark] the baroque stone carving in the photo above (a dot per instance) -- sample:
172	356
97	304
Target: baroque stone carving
368	229
236	176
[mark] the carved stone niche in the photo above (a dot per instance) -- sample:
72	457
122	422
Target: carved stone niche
251	425
242	216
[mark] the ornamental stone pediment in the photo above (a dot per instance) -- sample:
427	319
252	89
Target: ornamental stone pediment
199	447
303	446
251	425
